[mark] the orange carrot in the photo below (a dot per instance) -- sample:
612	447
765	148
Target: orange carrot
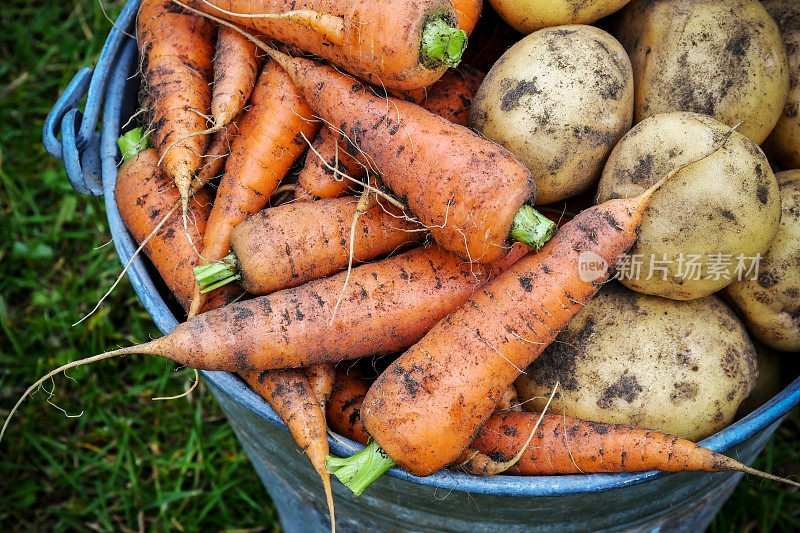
566	445
467	12
406	44
176	49
428	405
236	66
467	190
217	154
290	395
450	97
344	406
144	195
320	378
327	155
270	139
297	242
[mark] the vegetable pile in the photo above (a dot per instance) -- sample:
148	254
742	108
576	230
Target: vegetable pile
327	183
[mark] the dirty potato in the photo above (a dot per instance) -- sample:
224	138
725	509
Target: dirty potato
783	143
530	15
559	99
775	371
678	367
770	303
722	58
708	219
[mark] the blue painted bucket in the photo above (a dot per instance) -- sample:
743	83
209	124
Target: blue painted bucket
446	501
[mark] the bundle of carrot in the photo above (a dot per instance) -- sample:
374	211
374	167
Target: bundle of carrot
400	230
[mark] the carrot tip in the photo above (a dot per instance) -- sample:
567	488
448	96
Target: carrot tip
133	142
532	228
442	44
358	471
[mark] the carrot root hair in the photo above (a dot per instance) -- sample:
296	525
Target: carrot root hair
733	464
139	348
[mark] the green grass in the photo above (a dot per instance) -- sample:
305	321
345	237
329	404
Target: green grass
130	463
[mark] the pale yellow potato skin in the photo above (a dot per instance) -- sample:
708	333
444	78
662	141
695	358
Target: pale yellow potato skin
723	58
770	304
559	100
783	143
681	368
527	16
774	373
727	203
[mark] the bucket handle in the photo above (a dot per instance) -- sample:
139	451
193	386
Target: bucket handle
79	146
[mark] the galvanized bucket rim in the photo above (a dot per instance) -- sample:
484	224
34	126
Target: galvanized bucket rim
114	104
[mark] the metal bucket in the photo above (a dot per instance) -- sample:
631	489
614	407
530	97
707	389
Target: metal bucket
445	501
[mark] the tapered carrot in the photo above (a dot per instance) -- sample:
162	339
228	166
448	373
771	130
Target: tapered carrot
236	67
450	97
467	190
144	194
216	154
386	306
297	242
344	406
321	378
404	44
566	445
428	405
270	139
177	48
291	396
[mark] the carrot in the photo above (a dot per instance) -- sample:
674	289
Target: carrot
297	242
327	155
144	194
467	190
468	12
404	44
428	405
236	66
291	396
344	406
321	378
450	97
216	154
270	140
566	445
176	49
387	306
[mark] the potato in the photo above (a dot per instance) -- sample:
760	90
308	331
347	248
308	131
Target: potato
723	58
678	367
784	142
531	15
707	219
559	99
770	304
774	373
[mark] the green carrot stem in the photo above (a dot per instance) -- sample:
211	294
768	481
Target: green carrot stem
358	471
532	228
132	143
442	43
215	275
